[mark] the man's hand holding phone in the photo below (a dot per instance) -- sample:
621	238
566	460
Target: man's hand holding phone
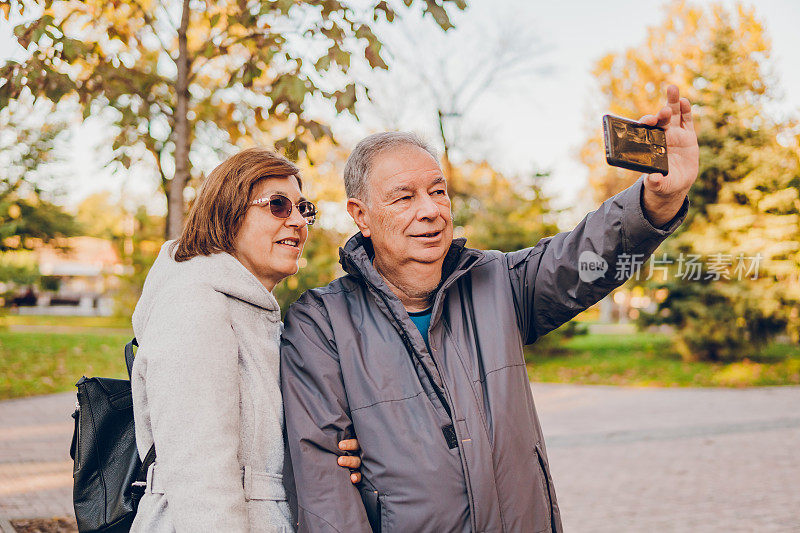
664	147
663	195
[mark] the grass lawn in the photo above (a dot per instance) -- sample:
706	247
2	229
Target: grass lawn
70	321
43	363
647	359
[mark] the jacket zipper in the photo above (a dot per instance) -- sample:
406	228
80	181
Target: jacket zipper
448	399
467	479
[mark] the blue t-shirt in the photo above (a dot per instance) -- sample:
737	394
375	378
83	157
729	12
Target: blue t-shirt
422	319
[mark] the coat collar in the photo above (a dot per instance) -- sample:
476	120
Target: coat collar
233	279
225	274
357	254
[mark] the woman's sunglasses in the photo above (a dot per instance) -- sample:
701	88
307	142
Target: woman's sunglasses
281	207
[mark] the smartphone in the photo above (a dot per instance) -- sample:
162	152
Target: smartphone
635	146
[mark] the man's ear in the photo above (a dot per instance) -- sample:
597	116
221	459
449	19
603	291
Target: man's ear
358	213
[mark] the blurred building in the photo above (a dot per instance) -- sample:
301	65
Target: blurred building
79	277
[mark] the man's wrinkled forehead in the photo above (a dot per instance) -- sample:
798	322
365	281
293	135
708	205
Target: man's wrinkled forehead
403	167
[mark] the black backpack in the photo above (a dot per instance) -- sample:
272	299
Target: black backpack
109	479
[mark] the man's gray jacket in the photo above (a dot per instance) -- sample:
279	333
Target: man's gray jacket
353	363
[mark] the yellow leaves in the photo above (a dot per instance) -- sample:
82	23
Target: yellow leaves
752	29
214	23
107	28
744	373
322	169
439	14
715	57
692	19
604	64
119	15
782	200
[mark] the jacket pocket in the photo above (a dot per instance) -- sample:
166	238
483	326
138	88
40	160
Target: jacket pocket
262	486
547	493
372	504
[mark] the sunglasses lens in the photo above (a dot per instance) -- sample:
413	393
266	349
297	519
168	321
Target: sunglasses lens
308	211
280	206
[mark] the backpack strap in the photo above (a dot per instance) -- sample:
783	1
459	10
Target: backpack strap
138	486
129	355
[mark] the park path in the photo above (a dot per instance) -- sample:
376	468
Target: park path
645	459
623	459
35	468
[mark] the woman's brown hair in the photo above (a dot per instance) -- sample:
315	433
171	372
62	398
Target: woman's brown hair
218	212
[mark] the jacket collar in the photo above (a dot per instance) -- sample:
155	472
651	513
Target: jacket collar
357	254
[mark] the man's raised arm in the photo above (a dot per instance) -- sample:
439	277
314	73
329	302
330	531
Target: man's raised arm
317	418
565	274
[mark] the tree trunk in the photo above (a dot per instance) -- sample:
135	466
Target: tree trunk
181	135
447	165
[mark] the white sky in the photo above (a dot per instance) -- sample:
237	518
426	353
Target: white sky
536	123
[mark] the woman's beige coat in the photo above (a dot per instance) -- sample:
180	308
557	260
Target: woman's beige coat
206	389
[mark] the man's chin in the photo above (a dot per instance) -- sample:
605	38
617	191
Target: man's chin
430	254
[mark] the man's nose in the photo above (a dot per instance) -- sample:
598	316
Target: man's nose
427	208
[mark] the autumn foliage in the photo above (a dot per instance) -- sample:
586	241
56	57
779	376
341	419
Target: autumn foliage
746	202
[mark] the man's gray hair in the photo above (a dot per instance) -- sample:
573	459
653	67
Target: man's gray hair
359	164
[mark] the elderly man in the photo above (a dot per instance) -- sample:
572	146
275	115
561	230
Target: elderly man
418	350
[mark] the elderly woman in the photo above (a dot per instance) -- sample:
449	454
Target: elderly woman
205	380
